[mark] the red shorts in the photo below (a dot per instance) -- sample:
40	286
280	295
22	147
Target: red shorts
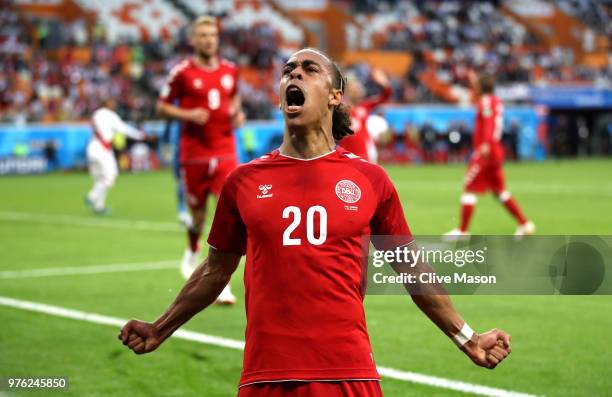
347	388
482	176
204	177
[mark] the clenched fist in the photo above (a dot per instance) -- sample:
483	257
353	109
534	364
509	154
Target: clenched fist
140	337
488	349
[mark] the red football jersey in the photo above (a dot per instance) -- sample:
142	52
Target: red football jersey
301	224
489	124
213	90
361	143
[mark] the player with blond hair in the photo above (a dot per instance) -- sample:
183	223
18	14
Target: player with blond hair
209	107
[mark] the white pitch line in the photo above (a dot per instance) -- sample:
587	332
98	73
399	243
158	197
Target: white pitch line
72	220
96	269
573	190
392	373
447	383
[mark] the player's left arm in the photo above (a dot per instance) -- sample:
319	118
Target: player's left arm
236	112
486	350
122	127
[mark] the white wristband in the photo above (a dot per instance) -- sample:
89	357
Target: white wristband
463	336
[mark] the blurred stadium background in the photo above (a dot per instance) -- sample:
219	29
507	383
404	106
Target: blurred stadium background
60	59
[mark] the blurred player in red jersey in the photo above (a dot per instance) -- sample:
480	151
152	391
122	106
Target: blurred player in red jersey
299	214
209	107
485	170
362	143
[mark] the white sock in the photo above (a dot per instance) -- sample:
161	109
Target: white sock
97	195
226	291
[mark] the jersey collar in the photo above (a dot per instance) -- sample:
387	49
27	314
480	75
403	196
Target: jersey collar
204	68
314	158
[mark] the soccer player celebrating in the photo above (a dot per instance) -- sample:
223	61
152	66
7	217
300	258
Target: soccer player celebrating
299	214
100	157
209	106
361	142
485	170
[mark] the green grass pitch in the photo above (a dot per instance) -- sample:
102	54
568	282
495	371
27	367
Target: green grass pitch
561	345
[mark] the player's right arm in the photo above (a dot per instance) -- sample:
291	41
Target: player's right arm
195	115
202	288
380	78
171	92
227	240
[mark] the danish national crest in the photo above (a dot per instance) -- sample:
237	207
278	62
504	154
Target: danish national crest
348	191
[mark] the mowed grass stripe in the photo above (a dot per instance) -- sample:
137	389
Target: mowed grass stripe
96	269
72	220
239	345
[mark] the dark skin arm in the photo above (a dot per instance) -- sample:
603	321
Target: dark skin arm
485	350
209	279
202	288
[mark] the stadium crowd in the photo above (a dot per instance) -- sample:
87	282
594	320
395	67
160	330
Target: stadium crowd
73	69
458	39
596	14
78	68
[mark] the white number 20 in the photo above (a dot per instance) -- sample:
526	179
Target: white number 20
297	218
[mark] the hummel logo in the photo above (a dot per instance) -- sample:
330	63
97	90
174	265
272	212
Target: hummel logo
265	189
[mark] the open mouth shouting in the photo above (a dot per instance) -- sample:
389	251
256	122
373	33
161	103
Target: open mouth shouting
294	99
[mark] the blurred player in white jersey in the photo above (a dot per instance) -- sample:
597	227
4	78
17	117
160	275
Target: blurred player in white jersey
101	161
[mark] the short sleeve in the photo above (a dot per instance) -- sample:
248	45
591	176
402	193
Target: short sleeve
388	226
228	232
171	89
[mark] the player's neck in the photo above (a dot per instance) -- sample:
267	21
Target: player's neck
211	62
307	144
